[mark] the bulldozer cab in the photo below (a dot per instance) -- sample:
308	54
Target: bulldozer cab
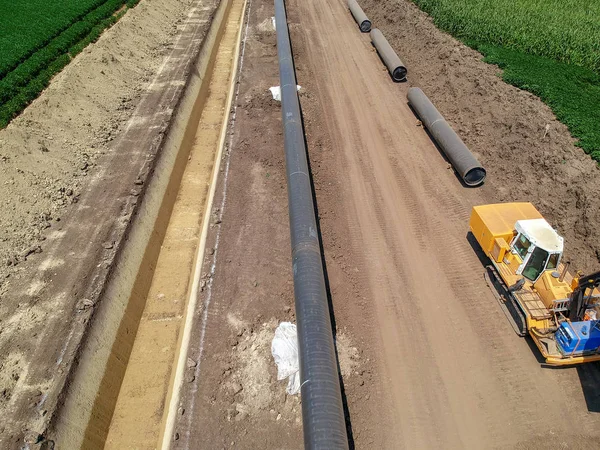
538	246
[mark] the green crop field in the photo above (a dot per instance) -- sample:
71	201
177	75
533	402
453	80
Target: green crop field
548	47
39	37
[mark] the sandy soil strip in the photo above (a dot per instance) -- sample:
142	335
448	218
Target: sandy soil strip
49	152
49	299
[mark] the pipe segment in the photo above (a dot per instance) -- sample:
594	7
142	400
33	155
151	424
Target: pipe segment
322	410
463	161
359	15
391	60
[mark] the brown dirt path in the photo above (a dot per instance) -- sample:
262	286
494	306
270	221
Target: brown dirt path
230	396
450	372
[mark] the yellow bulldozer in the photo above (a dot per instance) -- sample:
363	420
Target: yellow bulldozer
538	295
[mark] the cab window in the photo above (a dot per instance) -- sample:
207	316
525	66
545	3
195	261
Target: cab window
536	264
522	245
553	261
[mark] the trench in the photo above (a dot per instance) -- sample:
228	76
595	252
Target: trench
127	380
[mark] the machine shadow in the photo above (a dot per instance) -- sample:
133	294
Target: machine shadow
589	374
589	377
483	258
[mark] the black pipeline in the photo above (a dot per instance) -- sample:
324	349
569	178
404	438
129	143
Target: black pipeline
453	147
359	15
322	411
388	55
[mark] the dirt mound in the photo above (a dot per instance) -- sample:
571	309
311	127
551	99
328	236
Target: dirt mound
528	154
49	152
250	379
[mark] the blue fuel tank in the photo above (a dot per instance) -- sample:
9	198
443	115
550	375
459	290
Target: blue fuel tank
578	337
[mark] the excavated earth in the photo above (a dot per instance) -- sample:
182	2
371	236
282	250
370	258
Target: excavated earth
426	357
74	168
49	152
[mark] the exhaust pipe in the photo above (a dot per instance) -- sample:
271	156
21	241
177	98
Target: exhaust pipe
391	60
564	272
453	147
322	410
359	15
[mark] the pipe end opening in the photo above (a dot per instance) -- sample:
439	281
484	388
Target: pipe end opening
475	176
399	73
365	26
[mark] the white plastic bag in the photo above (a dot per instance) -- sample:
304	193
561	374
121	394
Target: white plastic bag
285	353
276	92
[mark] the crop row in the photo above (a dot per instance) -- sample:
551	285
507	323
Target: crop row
564	30
28	26
550	48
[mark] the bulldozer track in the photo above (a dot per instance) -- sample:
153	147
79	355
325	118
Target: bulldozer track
507	302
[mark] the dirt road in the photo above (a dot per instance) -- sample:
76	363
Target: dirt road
450	372
427	359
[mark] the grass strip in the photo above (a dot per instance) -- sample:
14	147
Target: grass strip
550	48
572	92
563	30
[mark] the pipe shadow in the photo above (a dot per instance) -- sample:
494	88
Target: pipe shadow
442	154
347	417
329	298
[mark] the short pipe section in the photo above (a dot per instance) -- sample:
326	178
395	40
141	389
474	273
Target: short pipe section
461	158
391	60
359	16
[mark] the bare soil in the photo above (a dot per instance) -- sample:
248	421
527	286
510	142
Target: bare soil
427	359
447	369
50	151
83	117
528	153
231	398
436	365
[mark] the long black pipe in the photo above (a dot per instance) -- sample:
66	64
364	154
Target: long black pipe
463	161
359	16
322	411
391	60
